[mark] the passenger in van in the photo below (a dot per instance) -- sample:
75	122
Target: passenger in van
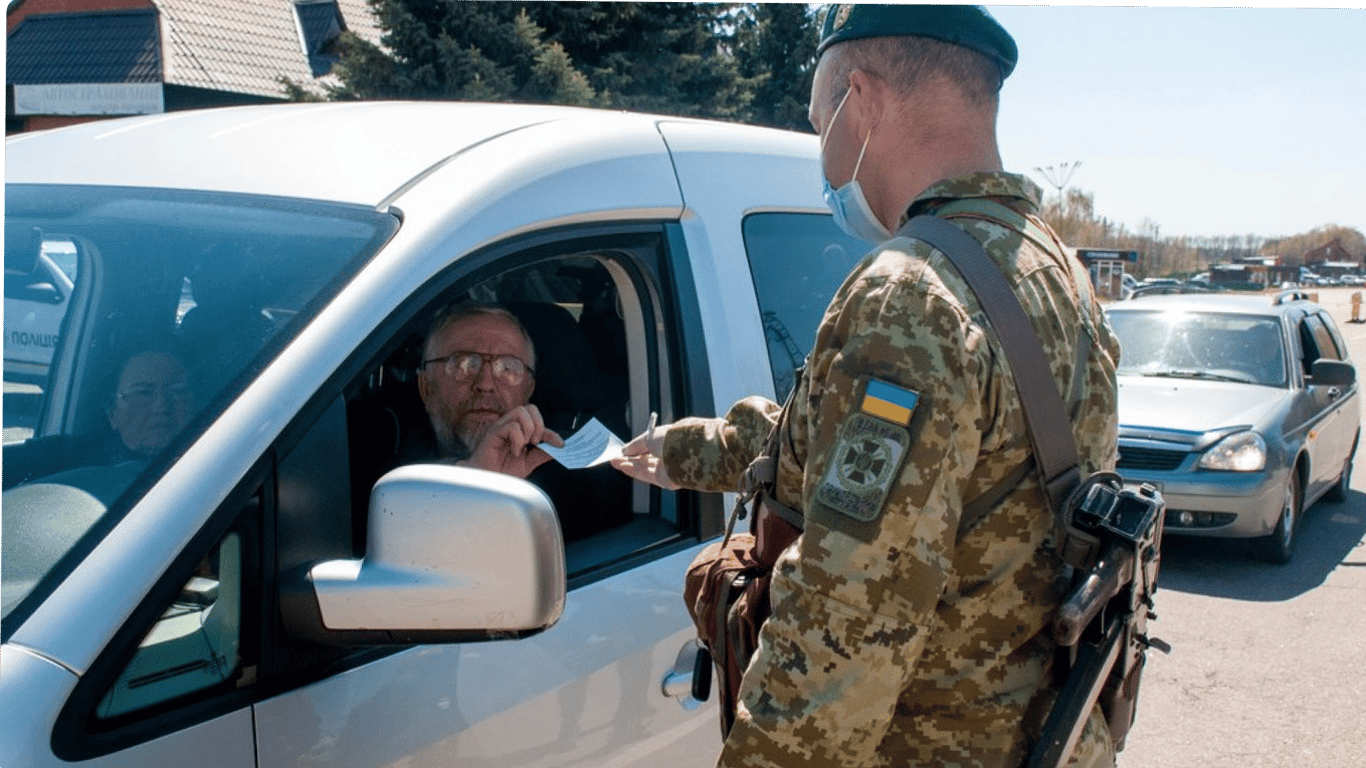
151	402
146	406
476	378
227	319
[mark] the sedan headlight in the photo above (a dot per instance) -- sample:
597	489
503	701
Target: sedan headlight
1242	452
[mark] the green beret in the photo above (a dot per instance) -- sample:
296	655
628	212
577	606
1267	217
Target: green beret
967	25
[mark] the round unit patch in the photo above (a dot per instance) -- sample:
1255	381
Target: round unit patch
863	466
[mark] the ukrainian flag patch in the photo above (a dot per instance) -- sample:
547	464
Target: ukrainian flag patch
888	402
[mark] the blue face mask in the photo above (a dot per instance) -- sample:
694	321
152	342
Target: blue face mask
847	203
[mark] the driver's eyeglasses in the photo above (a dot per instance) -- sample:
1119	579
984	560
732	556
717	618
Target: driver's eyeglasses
143	395
465	365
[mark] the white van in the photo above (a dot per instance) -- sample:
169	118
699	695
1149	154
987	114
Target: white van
268	589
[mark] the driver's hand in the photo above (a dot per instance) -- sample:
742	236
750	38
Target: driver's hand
509	445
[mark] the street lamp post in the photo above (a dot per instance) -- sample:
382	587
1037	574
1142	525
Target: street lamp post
1058	176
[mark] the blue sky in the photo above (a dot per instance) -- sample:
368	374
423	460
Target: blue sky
1206	121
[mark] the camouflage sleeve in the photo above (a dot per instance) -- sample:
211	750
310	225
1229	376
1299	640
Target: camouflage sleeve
710	454
856	599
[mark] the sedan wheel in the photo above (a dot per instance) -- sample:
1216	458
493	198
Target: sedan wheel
1279	547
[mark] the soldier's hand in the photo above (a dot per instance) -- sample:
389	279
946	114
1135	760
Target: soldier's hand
643	459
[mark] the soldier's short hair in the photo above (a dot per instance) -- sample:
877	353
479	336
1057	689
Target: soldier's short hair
909	62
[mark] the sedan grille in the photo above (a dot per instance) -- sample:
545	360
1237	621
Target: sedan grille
1151	459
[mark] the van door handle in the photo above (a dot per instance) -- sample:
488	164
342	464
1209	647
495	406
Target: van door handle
690	667
678	683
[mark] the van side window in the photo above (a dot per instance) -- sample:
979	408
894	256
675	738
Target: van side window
195	647
798	261
587	322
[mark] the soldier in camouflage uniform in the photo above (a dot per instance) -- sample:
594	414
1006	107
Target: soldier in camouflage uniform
901	633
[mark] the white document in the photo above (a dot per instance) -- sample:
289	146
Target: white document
591	445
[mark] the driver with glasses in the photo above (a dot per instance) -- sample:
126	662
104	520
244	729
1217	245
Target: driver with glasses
476	379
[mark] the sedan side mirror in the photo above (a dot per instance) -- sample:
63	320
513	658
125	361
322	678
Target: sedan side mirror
453	555
1333	373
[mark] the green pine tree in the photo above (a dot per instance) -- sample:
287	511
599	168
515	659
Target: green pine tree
673	58
777	51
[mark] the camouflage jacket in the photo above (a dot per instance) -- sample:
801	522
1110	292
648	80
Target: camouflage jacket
897	639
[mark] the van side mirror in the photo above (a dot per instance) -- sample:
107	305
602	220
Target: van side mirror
1333	373
452	555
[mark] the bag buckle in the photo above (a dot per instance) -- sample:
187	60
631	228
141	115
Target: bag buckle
760	473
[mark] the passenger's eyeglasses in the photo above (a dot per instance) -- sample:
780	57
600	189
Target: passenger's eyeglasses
465	365
143	395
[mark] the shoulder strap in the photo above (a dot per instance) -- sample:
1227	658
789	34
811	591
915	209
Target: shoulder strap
996	213
758	479
992	211
1050	431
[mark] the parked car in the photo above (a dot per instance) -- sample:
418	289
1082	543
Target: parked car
1159	281
1128	284
35	302
266	589
1170	290
1242	410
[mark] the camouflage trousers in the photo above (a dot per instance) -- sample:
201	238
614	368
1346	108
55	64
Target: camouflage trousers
1094	748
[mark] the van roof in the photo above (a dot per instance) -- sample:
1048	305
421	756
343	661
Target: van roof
357	152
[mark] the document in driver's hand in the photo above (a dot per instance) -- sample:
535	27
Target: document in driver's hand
591	445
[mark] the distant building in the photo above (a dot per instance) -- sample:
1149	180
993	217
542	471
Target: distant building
1241	274
1332	258
1337	268
71	61
1279	274
1107	267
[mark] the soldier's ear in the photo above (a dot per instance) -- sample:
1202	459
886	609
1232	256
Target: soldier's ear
868	96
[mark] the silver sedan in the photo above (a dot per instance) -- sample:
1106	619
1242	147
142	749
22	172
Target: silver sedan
1243	410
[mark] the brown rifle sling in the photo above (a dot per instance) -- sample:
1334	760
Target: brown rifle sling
1050	431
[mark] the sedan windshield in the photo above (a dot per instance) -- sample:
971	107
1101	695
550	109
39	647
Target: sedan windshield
1201	345
132	318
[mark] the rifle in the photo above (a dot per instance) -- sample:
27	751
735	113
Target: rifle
1110	648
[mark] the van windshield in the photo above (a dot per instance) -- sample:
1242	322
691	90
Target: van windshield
132	318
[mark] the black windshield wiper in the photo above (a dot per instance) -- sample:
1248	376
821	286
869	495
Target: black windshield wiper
1190	373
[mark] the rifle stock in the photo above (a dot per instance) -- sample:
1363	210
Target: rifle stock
1070	712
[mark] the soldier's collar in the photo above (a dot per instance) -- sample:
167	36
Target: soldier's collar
1017	191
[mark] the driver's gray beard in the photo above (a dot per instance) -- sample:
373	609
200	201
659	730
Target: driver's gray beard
450	444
